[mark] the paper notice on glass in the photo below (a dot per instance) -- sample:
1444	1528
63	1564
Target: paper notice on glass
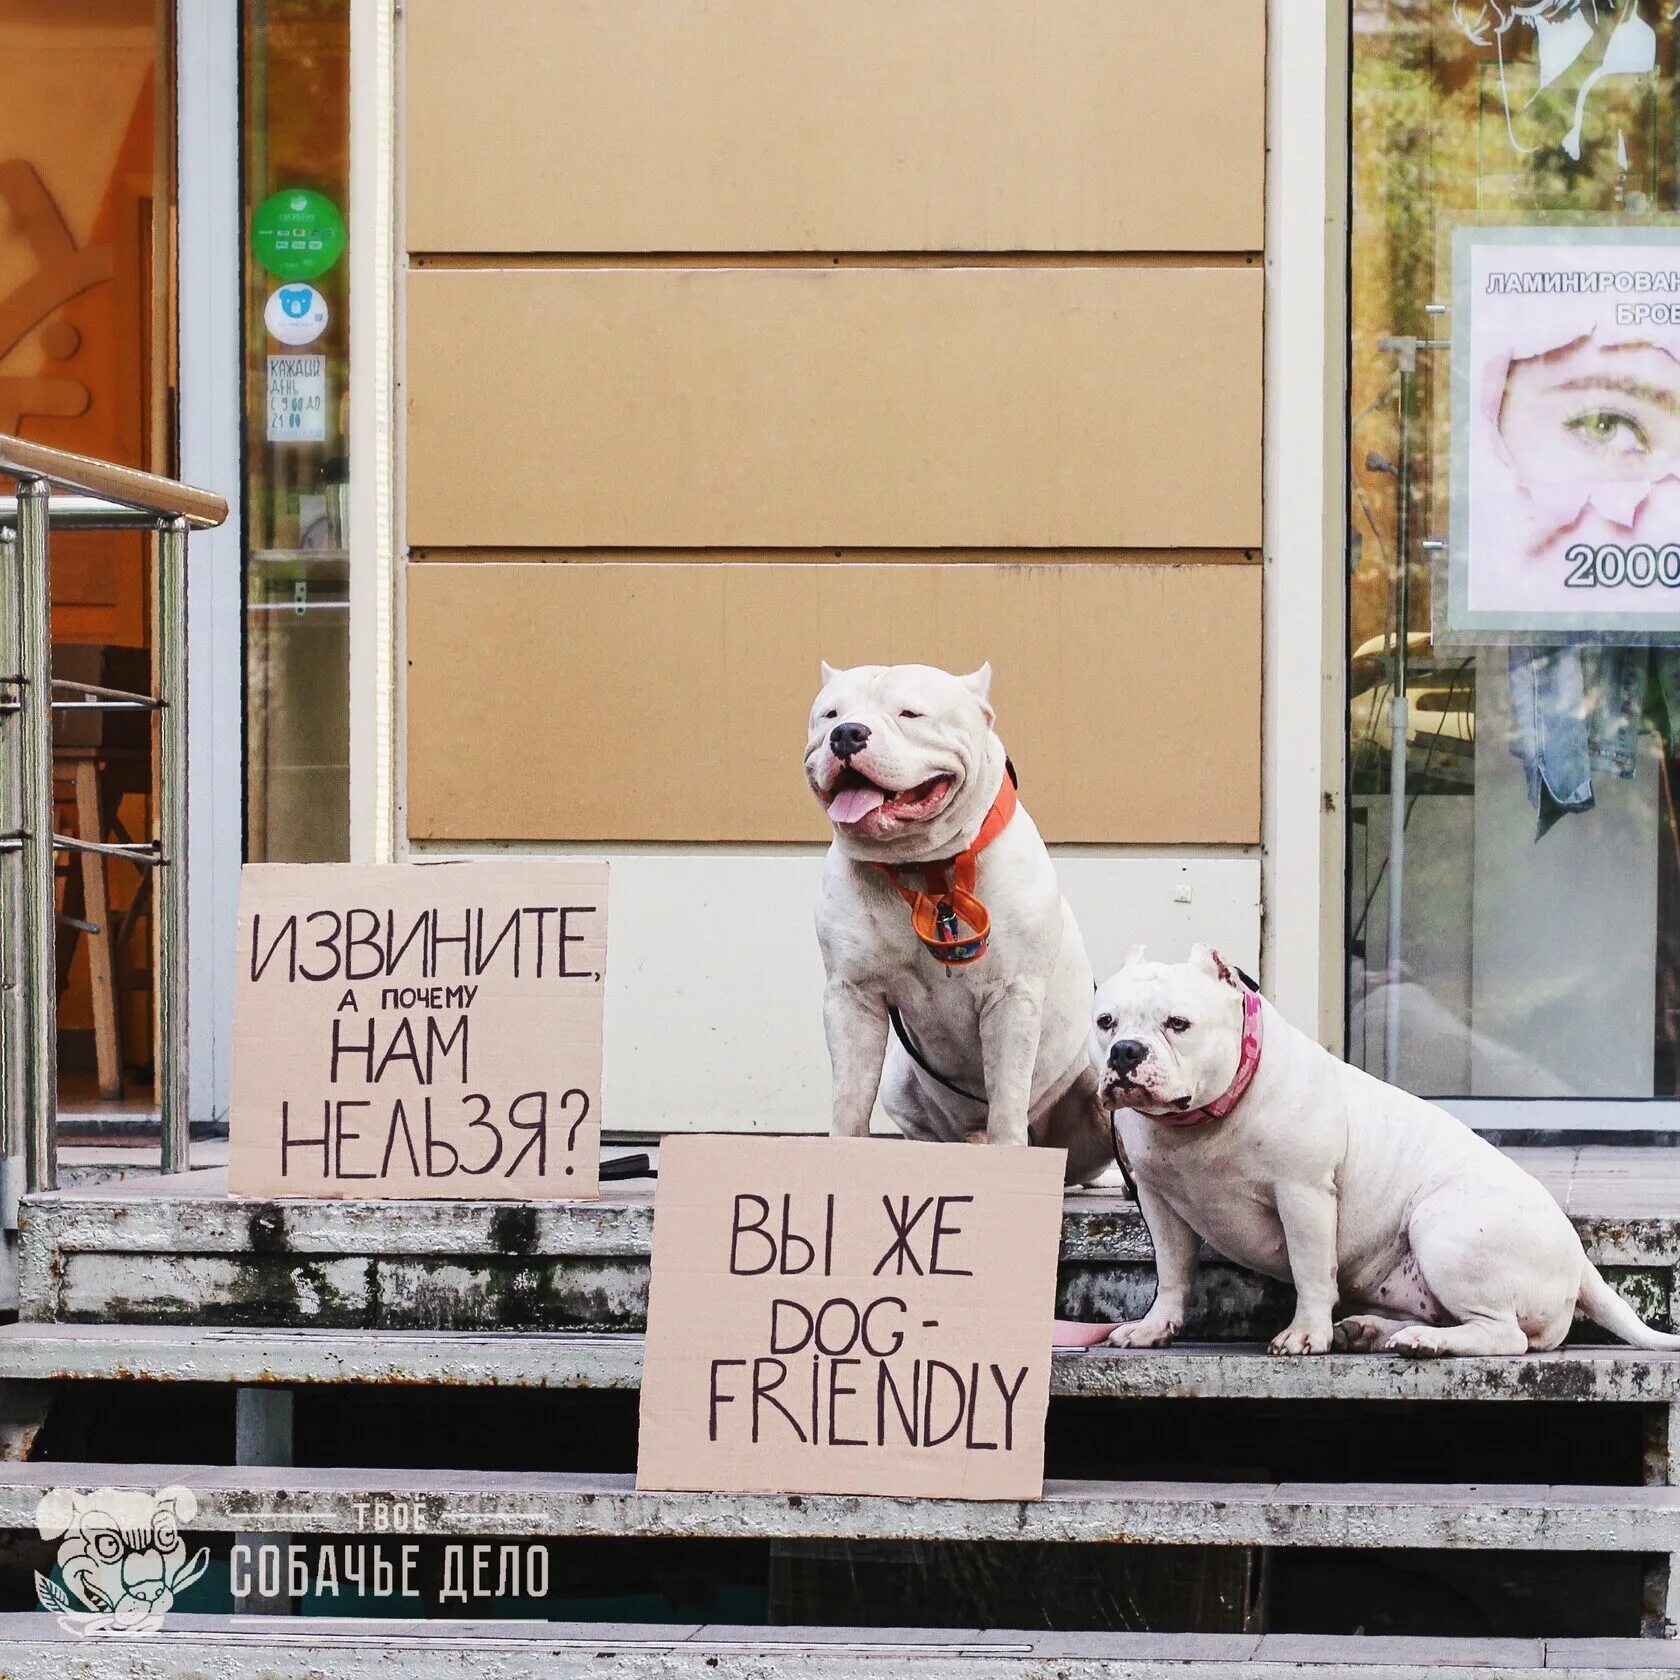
297	399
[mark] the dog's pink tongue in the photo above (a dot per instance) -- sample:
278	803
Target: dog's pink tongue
852	803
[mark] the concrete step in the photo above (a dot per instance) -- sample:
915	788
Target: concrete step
133	1152
605	1360
179	1250
295	1648
545	1505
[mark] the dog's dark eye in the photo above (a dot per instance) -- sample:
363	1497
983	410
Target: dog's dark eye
831	714
1176	1024
909	714
1105	1023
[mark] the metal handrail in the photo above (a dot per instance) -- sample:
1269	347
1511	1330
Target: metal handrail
163	498
87	513
104	497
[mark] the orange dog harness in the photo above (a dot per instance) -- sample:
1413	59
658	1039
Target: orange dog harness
947	906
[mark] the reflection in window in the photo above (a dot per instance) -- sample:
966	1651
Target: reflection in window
87	363
296	111
1513	925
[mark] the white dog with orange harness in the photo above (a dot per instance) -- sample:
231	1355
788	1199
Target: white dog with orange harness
958	985
1245	1133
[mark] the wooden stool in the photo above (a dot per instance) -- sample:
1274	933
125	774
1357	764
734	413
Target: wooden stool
98	757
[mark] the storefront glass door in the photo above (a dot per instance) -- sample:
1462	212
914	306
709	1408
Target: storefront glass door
295	96
1514	859
88	360
174	295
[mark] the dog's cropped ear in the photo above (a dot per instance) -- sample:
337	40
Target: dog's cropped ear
1214	966
829	673
1133	956
979	684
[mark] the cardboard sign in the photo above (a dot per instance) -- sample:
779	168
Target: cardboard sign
419	1030
850	1315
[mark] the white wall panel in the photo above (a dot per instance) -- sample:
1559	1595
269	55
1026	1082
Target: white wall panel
714	981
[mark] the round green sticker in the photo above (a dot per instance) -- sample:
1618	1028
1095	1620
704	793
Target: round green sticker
297	233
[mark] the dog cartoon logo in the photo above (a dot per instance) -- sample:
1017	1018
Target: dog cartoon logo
120	1555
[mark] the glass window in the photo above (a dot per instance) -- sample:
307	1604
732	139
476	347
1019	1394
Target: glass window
296	123
87	363
1514	914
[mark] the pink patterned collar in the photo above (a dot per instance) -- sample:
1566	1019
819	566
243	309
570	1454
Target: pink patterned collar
1247	1065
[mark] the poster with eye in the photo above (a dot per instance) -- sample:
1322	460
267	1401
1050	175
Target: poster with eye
1565	477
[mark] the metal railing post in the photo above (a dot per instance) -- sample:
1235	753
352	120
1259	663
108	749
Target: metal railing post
103	496
12	932
169	645
39	1009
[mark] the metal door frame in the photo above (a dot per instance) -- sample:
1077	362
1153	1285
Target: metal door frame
211	420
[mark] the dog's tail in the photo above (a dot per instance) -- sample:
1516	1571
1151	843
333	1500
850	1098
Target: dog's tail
1606	1308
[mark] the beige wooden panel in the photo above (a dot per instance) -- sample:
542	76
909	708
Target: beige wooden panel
669	701
869	556
1032	407
835	125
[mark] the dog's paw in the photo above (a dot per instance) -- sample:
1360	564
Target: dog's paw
1303	1338
1141	1333
1424	1340
1360	1333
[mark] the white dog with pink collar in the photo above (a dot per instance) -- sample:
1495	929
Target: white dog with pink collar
1244	1133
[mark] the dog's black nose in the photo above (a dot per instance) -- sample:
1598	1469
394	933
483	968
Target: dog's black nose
1126	1054
848	738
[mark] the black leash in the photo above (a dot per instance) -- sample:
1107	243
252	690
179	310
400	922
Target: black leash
1120	1160
627	1166
914	1051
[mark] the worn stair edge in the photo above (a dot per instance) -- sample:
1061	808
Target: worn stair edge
1098	1226
544	1505
613	1360
483	1294
34	1647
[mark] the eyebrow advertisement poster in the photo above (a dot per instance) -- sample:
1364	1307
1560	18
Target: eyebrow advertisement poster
1565	479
